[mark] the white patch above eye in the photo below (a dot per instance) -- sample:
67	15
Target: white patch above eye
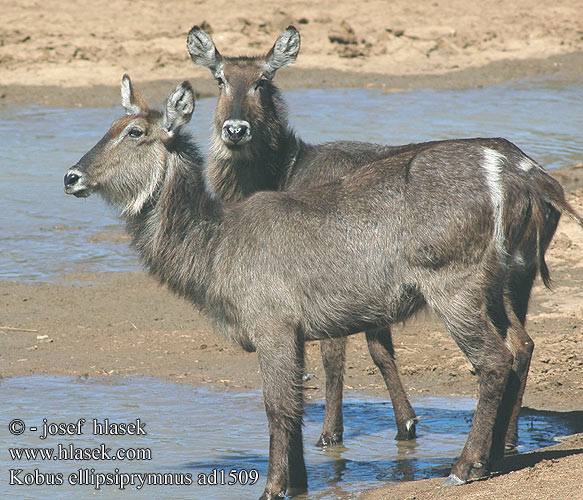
493	164
122	134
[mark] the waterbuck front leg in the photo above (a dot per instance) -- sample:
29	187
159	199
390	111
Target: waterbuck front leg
296	468
333	358
380	346
281	360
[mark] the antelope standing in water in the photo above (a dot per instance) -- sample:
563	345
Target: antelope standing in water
441	225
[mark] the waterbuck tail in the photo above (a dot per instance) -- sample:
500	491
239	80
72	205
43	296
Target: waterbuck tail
548	206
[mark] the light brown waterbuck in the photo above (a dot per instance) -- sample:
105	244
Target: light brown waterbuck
438	225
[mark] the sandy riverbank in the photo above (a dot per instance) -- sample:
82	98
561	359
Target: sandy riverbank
58	54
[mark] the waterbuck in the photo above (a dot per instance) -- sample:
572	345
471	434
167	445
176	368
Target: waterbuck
438	225
253	148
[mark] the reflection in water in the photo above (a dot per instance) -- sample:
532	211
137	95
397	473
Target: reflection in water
200	431
45	234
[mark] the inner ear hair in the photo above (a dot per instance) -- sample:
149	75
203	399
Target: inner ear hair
131	99
179	107
202	50
283	53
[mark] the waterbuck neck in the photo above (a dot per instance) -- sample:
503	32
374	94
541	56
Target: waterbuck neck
180	220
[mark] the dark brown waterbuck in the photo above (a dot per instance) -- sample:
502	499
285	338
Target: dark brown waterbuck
444	225
253	148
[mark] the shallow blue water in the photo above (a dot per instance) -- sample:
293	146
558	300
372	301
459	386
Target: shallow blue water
45	234
200	430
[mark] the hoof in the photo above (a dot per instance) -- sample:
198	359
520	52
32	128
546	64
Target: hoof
330	440
269	496
452	480
409	432
479	470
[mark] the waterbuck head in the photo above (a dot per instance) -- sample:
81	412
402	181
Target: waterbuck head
128	164
248	101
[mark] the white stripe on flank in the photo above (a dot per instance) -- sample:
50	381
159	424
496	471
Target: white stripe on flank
493	163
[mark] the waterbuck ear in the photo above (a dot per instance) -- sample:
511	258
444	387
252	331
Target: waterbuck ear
203	51
179	107
283	53
131	100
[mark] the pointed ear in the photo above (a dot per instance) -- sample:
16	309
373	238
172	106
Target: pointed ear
283	53
179	107
131	100
203	51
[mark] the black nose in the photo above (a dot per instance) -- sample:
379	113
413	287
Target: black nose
71	179
236	132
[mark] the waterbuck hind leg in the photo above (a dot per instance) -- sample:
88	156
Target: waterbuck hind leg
381	349
517	296
333	358
506	429
493	370
521	346
281	364
467	322
380	346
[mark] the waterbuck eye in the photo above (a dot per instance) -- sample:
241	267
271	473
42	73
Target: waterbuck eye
135	132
